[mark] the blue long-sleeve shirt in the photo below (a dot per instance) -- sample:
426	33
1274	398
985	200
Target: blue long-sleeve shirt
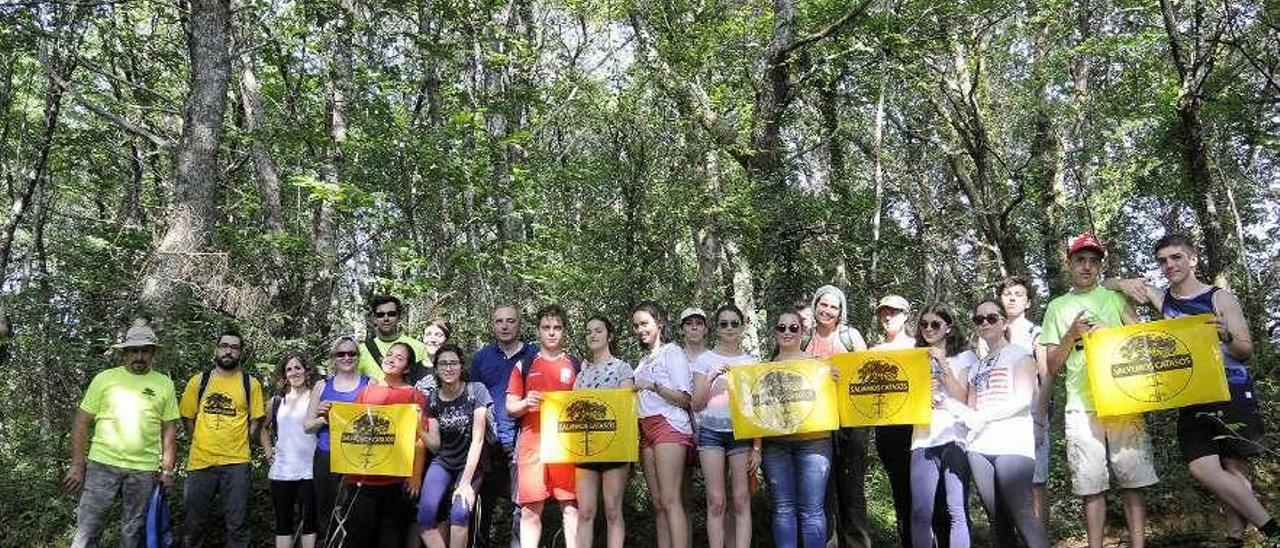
493	368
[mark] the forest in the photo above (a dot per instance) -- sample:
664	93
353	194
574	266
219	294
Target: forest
270	164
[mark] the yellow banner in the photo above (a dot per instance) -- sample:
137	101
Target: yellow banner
882	387
1155	365
590	426
780	398
375	440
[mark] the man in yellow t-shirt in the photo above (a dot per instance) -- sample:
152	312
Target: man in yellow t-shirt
221	408
385	313
134	414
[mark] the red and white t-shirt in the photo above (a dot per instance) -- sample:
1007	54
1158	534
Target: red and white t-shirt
545	375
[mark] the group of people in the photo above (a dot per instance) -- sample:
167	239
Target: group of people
478	441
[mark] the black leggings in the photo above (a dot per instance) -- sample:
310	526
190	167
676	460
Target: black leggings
379	516
285	495
893	445
326	487
1004	485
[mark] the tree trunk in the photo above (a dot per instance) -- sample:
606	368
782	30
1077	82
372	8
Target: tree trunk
31	179
323	223
196	169
1195	159
1044	168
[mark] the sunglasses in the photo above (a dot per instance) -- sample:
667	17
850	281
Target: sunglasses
391	314
780	328
935	325
989	318
729	324
344	354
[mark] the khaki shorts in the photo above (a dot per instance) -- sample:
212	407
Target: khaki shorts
1098	447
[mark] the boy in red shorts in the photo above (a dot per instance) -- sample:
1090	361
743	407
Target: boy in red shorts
548	371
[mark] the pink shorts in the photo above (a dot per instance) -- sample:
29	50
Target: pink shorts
655	430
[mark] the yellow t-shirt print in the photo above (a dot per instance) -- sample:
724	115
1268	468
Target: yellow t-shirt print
221	433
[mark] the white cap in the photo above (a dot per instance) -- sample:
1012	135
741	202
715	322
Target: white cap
691	312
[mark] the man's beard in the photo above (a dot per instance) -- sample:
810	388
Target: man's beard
226	362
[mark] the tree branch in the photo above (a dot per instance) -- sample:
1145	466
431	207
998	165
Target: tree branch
854	13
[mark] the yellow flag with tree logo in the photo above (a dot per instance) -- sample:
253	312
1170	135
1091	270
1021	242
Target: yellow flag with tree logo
589	426
883	387
372	440
780	398
1155	365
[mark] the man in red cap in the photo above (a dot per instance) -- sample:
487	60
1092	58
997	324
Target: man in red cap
1096	447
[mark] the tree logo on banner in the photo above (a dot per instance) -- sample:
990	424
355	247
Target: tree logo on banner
1151	366
593	425
369	441
783	400
880	391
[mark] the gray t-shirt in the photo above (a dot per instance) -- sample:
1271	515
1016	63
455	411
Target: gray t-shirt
607	375
456	418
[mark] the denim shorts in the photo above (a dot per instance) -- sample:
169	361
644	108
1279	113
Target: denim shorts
715	440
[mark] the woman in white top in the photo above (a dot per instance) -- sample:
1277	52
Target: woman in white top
602	371
936	452
291	453
1001	432
716	444
664	385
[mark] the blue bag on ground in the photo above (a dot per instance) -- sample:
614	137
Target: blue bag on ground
157	532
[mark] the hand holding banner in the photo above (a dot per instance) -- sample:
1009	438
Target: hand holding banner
590	426
372	440
780	398
883	387
1155	365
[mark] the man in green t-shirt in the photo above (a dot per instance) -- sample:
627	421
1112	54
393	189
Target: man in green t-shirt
1096	447
134	414
385	313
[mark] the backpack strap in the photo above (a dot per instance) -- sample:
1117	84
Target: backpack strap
372	347
248	397
846	338
204	383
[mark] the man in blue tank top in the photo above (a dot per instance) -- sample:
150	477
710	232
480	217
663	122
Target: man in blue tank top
1216	438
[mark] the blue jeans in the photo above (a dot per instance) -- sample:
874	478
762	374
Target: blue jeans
797	473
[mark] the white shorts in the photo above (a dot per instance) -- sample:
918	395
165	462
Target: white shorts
1098	447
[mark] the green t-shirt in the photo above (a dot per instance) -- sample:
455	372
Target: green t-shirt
128	410
1105	307
372	368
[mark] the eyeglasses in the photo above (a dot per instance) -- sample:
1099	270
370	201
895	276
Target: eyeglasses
448	363
935	325
344	354
989	318
780	328
391	314
729	324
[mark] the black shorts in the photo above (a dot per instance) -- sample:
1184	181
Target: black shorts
1236	421
603	467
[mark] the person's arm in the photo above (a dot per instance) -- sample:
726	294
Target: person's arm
168	451
1136	290
433	435
74	478
1056	354
951	384
478	427
317	413
517	407
1045	381
264	439
1233	328
414	482
701	391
